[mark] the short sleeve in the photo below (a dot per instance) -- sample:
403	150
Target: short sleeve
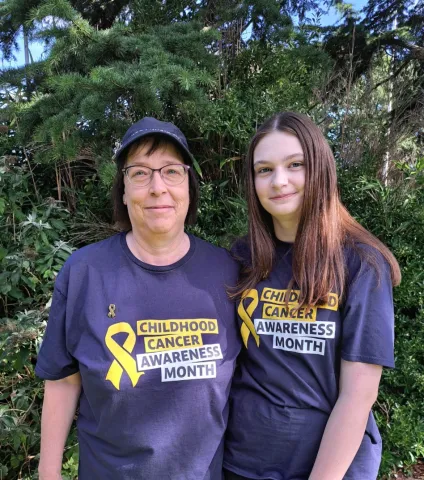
368	316
240	251
54	360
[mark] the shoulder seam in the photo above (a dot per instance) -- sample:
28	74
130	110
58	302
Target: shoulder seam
58	290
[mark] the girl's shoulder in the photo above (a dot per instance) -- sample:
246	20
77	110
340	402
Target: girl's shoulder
240	251
361	259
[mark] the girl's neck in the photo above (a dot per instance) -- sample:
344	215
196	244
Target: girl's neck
285	230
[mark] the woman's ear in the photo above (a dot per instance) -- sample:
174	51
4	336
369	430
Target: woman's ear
124	199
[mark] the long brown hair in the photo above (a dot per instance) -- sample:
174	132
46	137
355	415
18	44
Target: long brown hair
325	226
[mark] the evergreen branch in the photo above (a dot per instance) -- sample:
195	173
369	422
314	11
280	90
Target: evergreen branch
393	76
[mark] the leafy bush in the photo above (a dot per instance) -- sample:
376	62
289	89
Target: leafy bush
34	243
221	217
32	250
395	214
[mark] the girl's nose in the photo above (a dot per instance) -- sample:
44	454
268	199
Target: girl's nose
279	178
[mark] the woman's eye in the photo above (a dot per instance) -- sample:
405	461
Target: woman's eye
138	173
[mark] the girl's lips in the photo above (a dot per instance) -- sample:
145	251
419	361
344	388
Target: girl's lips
283	197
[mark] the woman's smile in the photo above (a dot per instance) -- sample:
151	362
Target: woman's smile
160	208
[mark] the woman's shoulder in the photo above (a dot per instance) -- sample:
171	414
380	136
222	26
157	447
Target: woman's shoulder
96	252
212	252
98	255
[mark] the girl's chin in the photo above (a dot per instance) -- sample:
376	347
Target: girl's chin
285	215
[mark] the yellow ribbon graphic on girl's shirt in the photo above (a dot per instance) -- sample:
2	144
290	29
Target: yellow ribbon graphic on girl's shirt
247	326
123	359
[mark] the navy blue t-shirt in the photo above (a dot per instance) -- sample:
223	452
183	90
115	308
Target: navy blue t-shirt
287	382
156	349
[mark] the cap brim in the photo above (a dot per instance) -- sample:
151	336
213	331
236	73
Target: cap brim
174	140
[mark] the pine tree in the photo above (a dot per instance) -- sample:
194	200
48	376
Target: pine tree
387	28
95	83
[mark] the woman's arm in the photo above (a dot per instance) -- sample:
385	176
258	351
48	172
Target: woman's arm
346	425
60	402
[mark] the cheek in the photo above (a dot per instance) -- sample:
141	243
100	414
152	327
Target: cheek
186	194
134	197
260	187
187	200
182	197
301	180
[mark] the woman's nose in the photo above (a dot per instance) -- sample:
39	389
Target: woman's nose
157	185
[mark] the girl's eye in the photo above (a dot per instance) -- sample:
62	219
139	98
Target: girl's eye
296	165
263	170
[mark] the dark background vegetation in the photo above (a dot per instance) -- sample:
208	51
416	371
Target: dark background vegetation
216	68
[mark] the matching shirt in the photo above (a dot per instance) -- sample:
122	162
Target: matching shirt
156	349
287	382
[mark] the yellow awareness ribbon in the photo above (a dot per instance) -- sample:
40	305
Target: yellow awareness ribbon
247	326
123	359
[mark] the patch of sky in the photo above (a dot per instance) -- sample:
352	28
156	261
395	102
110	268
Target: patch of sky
36	53
37	48
331	18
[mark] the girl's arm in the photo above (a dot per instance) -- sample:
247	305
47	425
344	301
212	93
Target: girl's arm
60	402
346	426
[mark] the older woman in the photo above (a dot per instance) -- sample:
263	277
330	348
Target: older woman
141	333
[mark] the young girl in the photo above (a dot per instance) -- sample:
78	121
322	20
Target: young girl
316	318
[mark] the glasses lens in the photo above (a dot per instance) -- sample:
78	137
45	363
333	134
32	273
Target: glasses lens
173	174
139	175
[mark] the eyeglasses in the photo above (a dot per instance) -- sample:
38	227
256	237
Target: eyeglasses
171	174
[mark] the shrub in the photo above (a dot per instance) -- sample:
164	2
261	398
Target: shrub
34	243
32	250
395	214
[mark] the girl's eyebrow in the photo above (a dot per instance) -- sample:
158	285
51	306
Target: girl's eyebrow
289	157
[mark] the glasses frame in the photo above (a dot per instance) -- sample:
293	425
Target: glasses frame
153	170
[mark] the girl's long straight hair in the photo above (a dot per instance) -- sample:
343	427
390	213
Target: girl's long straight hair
325	225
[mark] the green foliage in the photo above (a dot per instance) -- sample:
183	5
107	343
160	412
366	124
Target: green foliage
395	214
217	69
32	250
399	411
95	83
221	218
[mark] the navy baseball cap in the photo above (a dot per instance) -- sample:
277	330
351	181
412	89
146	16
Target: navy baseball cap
151	126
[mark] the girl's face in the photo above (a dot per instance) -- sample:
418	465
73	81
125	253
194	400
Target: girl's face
279	176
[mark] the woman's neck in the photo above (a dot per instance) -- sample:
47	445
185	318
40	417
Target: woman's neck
160	251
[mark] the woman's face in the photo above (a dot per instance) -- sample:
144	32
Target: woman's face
157	208
279	175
